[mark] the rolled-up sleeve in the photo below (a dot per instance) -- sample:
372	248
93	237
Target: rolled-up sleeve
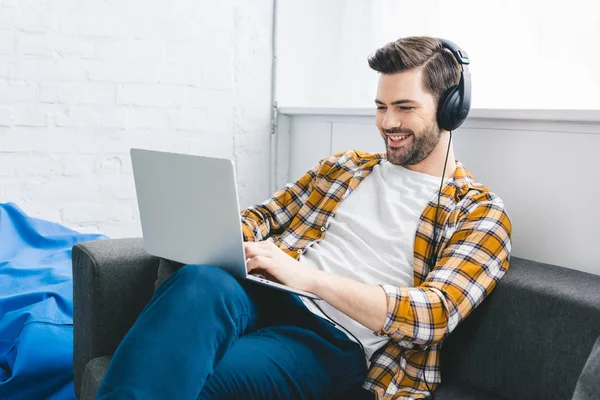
275	214
473	261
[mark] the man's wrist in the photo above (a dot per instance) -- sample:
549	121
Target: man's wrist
318	282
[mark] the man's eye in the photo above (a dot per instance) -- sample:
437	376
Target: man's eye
406	108
381	108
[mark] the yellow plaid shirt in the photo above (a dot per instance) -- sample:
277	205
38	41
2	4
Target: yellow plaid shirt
473	256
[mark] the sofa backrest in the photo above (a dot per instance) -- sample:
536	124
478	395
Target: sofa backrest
530	339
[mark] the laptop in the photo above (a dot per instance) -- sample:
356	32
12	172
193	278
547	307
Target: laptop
189	211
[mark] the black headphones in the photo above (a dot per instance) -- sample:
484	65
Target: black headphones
455	104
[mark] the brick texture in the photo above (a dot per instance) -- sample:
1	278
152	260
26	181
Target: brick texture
81	82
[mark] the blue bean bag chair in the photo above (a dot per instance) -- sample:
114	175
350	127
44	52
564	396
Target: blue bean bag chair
36	306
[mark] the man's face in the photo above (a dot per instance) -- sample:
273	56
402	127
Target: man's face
406	117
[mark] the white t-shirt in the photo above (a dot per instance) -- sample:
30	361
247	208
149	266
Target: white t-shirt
371	238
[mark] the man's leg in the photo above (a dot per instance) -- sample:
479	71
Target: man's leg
191	321
286	362
296	355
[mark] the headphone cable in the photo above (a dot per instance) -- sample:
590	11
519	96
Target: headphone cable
336	324
429	261
435	249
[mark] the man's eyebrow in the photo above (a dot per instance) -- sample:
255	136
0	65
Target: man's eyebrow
403	101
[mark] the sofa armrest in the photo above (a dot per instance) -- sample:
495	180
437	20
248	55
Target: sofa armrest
113	280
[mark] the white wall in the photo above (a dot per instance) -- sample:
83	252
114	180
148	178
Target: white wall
546	172
535	54
81	82
322	49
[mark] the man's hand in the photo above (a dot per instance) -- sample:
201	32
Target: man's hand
362	302
268	259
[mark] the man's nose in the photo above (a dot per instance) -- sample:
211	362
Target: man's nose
391	120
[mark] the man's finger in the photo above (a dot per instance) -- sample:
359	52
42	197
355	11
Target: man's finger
253	251
257	262
265	243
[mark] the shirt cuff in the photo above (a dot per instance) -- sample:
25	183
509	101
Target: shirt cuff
393	294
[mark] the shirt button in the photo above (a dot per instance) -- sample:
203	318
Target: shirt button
322	229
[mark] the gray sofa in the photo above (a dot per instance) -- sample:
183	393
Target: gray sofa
529	340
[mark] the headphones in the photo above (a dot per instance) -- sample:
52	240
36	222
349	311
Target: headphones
455	104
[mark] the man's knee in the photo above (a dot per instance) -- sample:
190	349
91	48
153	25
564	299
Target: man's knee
203	280
204	273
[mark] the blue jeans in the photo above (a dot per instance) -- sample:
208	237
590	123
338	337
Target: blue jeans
206	335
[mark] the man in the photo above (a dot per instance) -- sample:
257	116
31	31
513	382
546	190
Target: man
358	231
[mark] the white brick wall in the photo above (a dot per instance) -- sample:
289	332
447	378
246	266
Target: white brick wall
83	81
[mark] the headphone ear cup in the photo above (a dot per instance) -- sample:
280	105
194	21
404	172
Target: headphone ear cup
447	108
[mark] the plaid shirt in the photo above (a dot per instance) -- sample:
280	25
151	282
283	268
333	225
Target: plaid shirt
473	256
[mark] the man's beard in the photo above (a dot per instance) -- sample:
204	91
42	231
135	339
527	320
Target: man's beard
422	144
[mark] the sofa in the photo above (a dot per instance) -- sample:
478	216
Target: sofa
530	339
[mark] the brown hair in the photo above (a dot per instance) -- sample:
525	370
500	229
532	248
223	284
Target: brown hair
440	69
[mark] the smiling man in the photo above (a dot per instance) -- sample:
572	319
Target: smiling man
400	246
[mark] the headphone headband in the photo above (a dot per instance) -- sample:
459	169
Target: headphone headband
461	56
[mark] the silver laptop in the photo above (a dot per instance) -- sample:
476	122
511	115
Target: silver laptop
189	211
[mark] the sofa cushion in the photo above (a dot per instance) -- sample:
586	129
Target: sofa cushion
588	385
92	377
531	337
460	391
165	269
